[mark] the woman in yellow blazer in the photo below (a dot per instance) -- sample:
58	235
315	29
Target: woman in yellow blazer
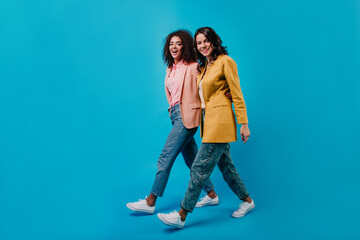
218	75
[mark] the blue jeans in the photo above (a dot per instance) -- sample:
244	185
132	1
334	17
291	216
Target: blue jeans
208	156
182	140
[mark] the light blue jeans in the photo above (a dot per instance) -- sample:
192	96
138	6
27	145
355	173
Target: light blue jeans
210	155
182	140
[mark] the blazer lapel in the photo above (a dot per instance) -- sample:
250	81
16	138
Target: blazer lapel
183	79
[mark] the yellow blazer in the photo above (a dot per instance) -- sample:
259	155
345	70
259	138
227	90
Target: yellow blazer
219	124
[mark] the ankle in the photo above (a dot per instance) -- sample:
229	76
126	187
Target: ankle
182	214
151	200
248	199
212	194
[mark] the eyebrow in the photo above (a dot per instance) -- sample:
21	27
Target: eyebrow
176	42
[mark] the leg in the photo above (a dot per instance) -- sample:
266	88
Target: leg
234	181
204	163
189	153
231	176
178	137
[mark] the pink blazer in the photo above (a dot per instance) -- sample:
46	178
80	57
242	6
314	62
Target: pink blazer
189	96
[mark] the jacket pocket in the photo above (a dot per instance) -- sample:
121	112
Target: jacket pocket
220	114
221	106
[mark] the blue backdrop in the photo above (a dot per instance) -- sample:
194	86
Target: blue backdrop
83	118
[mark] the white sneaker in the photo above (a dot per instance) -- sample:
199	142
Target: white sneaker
207	201
172	219
140	206
244	208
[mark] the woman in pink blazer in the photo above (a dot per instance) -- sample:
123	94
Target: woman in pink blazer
183	98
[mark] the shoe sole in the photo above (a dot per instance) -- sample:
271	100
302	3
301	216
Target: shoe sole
139	210
241	215
169	223
207	204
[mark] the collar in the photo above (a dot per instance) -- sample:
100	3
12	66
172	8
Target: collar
174	66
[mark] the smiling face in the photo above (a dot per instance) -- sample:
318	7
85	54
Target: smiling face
203	45
175	48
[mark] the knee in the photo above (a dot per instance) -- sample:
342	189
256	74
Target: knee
194	171
227	173
195	175
163	165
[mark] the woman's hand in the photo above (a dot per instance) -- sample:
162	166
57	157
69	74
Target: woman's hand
228	95
244	132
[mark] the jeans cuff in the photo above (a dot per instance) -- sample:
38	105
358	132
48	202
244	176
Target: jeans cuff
242	199
206	189
155	194
185	208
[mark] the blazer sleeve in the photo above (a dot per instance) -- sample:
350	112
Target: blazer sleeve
232	78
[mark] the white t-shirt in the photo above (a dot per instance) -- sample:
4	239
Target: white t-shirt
201	95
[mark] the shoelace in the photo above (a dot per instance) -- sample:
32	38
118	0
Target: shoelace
141	200
173	214
242	206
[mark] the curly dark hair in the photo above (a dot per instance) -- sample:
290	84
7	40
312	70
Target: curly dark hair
188	54
215	41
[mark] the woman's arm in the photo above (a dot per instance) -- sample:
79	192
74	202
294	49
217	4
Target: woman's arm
233	81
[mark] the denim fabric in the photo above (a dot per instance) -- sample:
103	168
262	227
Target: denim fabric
182	140
208	156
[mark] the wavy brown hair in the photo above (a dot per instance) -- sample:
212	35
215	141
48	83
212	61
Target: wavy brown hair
188	54
216	44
